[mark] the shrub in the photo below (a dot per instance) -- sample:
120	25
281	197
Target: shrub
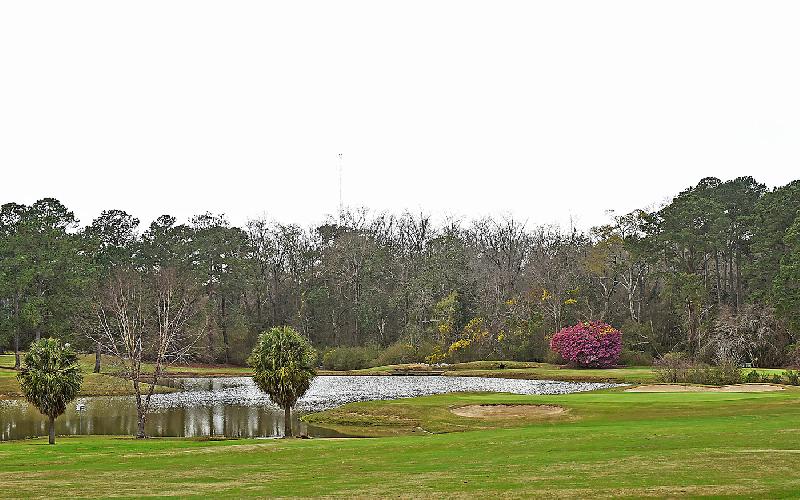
635	358
516	348
553	358
675	367
672	367
776	379
699	373
591	344
474	343
437	355
792	377
724	374
397	354
349	358
752	377
401	352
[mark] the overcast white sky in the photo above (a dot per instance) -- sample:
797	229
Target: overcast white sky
537	109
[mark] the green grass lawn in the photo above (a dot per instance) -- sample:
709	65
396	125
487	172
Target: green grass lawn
633	374
94	384
608	444
519	369
105	383
510	369
186	370
532	370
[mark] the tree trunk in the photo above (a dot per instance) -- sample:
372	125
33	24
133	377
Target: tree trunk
607	305
632	307
140	425
273	298
141	416
287	422
97	357
730	278
738	280
719	283
641	299
689	327
210	343
225	332
16	351
52	439
38	335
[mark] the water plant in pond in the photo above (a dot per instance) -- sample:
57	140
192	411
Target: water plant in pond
588	344
50	379
283	366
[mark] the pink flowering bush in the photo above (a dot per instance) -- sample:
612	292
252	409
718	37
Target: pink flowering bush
590	344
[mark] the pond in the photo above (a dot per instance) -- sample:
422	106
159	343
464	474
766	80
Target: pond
234	407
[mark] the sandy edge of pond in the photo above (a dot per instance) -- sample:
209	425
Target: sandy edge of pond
507	411
704	388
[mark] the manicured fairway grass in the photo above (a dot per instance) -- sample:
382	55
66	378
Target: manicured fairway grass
608	444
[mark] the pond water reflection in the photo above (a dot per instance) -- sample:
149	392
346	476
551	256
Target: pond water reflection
234	407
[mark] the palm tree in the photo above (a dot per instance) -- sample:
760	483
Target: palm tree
50	378
283	362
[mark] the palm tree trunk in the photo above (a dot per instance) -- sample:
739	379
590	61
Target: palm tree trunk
52	439
287	422
16	332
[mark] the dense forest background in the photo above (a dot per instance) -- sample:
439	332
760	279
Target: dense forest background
715	273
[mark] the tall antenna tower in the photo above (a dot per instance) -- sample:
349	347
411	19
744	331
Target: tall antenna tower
341	204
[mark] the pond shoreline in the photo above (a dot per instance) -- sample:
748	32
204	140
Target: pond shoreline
234	406
521	370
100	386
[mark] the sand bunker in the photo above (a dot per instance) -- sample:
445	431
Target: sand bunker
508	411
703	388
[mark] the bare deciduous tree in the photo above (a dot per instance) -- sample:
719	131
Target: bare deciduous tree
144	319
751	335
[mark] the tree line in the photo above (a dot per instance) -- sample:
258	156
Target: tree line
714	273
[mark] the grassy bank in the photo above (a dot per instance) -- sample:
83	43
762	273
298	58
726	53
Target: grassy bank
94	384
182	370
527	370
501	369
607	444
531	370
107	384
